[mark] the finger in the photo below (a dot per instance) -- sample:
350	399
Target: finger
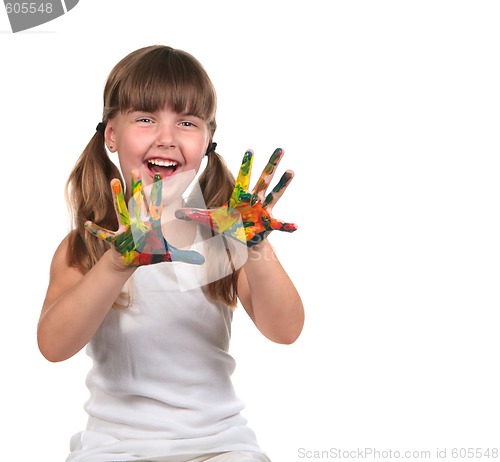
278	190
283	226
242	180
267	175
186	256
156	206
137	199
119	202
137	209
202	216
136	182
101	233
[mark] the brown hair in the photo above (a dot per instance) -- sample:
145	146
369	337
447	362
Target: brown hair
146	79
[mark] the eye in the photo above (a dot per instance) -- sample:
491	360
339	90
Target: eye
187	123
145	120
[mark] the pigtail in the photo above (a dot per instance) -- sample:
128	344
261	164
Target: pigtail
89	198
216	181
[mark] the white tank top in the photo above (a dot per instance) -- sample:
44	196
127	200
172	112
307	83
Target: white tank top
160	386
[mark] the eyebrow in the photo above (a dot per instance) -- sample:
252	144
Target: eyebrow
190	114
183	114
131	110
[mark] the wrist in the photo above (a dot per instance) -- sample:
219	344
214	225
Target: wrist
116	262
263	251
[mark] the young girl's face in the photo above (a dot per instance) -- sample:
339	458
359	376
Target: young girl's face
164	142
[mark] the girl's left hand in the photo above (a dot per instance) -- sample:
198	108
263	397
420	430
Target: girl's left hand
247	217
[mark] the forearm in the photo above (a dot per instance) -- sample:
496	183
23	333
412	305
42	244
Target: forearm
276	307
69	322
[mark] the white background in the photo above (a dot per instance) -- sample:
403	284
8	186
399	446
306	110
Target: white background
389	112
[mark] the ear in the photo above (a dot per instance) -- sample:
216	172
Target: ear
110	137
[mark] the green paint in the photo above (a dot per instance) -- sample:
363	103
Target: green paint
273	161
282	183
246	164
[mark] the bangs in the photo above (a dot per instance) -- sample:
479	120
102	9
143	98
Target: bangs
159	77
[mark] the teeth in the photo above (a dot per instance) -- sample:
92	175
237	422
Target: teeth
163	163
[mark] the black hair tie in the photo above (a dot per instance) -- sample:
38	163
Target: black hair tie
211	147
101	126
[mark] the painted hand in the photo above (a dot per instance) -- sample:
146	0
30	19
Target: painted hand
139	239
247	217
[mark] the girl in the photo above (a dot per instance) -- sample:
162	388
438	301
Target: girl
160	387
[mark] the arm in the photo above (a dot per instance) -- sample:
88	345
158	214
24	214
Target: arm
269	296
264	289
76	304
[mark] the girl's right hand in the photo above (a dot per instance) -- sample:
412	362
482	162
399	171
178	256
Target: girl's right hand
140	241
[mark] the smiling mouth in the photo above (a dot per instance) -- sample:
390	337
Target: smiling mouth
163	167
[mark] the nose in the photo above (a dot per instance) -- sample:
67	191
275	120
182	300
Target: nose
165	136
